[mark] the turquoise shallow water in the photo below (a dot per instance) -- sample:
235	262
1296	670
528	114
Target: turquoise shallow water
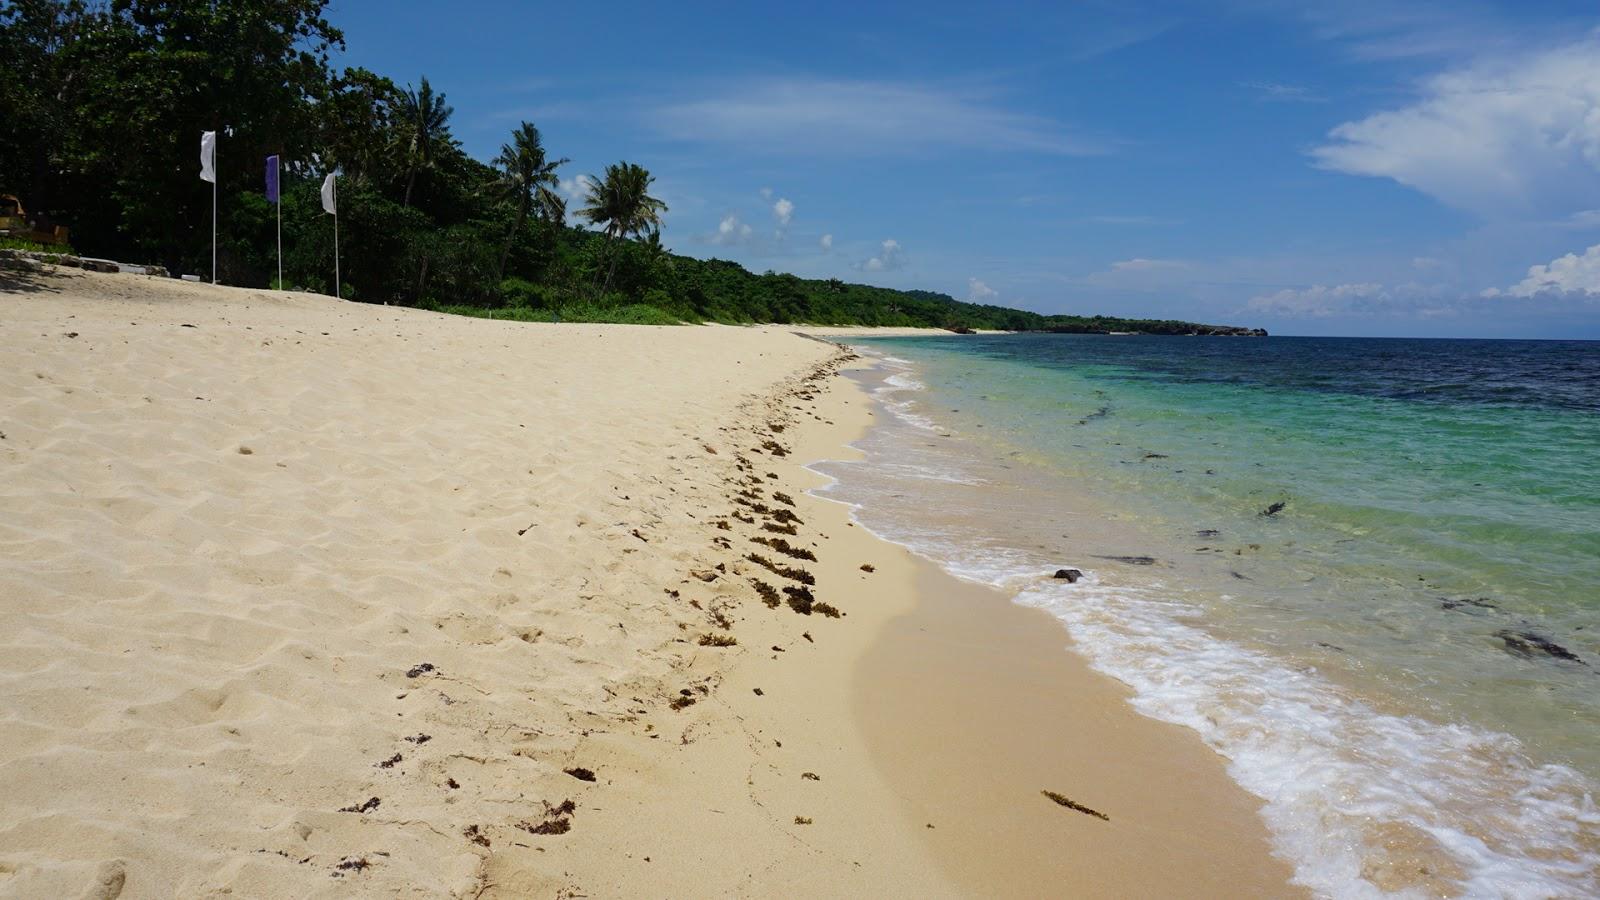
1402	659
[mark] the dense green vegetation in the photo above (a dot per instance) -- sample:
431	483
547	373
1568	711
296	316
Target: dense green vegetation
105	103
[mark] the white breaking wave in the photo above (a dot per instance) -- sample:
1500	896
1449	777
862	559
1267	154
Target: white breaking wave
1339	778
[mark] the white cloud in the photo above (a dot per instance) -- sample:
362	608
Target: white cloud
1503	139
978	292
1140	264
1132	220
826	241
783	210
890	257
730	231
1570	274
1361	298
1317	300
1288	93
801	115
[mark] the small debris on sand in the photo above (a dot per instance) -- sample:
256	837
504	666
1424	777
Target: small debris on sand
1075	806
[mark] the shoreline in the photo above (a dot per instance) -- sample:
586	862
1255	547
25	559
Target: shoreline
286	622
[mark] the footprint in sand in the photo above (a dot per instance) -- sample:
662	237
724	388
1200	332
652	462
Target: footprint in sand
108	882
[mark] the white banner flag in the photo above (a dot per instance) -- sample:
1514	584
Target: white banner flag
328	205
208	157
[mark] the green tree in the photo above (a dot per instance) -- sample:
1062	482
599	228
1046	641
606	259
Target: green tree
528	176
623	203
426	121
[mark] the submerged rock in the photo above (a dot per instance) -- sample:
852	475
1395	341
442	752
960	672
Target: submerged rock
1071	575
1527	643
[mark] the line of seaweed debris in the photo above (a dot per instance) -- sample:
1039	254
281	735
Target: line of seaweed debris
800	575
786	548
802	601
769	594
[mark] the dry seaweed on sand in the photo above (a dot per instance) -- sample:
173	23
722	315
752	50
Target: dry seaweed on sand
868	568
580	773
557	819
781	497
800	599
790	530
769	594
784	547
802	820
800	575
717	640
1071	804
370	805
775	448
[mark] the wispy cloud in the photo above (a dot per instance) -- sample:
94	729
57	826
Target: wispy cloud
1140	264
978	292
1132	220
825	242
1505	139
1282	93
1411	299
1418	29
812	116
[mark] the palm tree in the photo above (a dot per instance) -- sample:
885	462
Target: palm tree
530	179
424	118
622	201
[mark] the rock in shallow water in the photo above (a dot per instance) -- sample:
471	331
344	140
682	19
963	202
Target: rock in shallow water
1071	575
1526	643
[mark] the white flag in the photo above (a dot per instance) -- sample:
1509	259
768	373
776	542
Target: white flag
328	205
208	157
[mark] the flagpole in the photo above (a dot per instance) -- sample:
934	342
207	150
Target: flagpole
213	210
337	287
278	166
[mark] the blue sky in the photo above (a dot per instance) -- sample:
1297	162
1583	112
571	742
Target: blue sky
1367	168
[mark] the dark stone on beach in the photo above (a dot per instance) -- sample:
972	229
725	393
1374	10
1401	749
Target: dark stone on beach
1071	575
1274	509
1527	643
1131	560
1207	533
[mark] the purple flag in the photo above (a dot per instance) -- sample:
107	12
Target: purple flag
272	179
